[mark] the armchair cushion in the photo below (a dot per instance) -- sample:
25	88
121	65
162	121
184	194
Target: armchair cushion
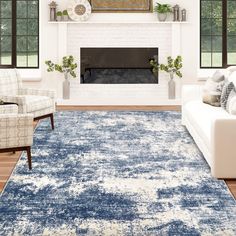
37	92
36	103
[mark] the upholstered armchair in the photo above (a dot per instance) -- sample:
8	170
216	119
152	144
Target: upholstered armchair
40	103
16	131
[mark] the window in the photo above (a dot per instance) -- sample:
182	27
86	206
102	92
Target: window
218	33
19	33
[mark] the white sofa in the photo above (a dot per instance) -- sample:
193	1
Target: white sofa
213	129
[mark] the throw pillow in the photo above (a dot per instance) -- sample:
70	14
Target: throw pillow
213	88
218	76
232	77
231	102
228	87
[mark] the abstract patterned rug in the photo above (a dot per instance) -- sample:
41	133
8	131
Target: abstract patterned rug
115	173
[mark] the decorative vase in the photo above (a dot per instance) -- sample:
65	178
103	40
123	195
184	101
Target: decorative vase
66	87
59	18
65	18
171	87
162	16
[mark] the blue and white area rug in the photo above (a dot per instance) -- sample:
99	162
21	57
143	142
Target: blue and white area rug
116	173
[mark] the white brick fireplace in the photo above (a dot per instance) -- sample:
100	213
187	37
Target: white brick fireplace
165	36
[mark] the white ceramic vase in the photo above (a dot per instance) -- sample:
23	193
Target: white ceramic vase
171	87
66	87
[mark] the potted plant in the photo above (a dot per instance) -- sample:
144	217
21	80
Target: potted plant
162	10
67	67
65	15
172	67
59	16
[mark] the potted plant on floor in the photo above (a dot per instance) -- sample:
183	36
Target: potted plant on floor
162	11
172	67
67	68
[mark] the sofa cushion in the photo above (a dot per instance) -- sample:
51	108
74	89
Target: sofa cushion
35	103
202	117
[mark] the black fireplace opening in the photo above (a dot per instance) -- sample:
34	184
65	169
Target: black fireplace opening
117	65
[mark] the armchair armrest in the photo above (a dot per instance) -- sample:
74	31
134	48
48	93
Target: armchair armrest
14	99
39	92
191	92
223	136
16	130
20	100
16	120
8	109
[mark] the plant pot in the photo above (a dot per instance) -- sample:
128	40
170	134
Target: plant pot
58	18
65	18
171	87
66	88
162	16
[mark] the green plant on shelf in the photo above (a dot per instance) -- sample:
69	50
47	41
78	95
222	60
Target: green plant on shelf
65	13
59	13
162	8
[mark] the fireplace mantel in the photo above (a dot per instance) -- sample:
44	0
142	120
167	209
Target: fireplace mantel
119	22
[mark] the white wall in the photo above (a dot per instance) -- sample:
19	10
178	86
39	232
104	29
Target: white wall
49	41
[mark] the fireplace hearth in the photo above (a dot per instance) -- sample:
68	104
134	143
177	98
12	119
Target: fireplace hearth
117	65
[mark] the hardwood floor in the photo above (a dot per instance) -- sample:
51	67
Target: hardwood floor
9	160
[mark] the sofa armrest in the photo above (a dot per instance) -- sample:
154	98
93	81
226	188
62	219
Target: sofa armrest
8	109
191	92
223	138
37	92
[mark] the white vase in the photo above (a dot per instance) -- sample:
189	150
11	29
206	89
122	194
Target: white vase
171	87
65	18
162	16
66	87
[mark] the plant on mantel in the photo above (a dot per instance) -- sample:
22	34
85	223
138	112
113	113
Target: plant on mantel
173	67
162	10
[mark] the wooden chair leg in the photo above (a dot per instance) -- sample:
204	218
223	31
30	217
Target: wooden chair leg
28	150
52	121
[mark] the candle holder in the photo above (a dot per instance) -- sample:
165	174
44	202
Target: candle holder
53	10
176	12
183	15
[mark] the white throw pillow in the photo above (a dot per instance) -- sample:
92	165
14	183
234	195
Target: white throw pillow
213	88
231	69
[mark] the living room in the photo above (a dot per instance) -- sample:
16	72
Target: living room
117	117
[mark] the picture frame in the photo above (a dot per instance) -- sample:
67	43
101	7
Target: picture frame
125	6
